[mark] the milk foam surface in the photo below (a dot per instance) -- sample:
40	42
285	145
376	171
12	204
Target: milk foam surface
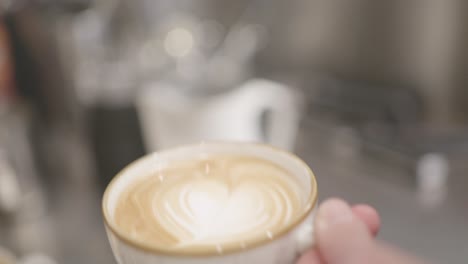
210	202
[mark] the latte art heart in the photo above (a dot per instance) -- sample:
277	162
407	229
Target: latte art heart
211	202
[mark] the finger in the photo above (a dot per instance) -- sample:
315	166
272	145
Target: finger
369	216
364	212
310	257
341	236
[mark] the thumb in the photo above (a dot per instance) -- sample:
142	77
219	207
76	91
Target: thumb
341	236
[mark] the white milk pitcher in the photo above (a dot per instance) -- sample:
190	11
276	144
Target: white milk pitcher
170	118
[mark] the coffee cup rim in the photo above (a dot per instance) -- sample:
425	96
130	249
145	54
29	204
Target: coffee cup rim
208	252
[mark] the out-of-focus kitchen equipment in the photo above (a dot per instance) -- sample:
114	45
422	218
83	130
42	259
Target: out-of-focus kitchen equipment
417	44
24	219
25	225
116	139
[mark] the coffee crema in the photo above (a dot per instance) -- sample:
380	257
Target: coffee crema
214	202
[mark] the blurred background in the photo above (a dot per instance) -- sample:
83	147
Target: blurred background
371	94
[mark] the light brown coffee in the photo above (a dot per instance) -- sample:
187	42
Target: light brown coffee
210	202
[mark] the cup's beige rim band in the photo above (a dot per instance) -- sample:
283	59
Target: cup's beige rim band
310	205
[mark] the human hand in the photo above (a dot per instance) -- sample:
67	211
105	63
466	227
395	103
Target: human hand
345	235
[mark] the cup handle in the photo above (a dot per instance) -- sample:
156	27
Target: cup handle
283	105
305	235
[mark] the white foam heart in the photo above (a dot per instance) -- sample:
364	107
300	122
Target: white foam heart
234	201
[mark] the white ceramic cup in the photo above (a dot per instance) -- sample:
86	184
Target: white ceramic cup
283	248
